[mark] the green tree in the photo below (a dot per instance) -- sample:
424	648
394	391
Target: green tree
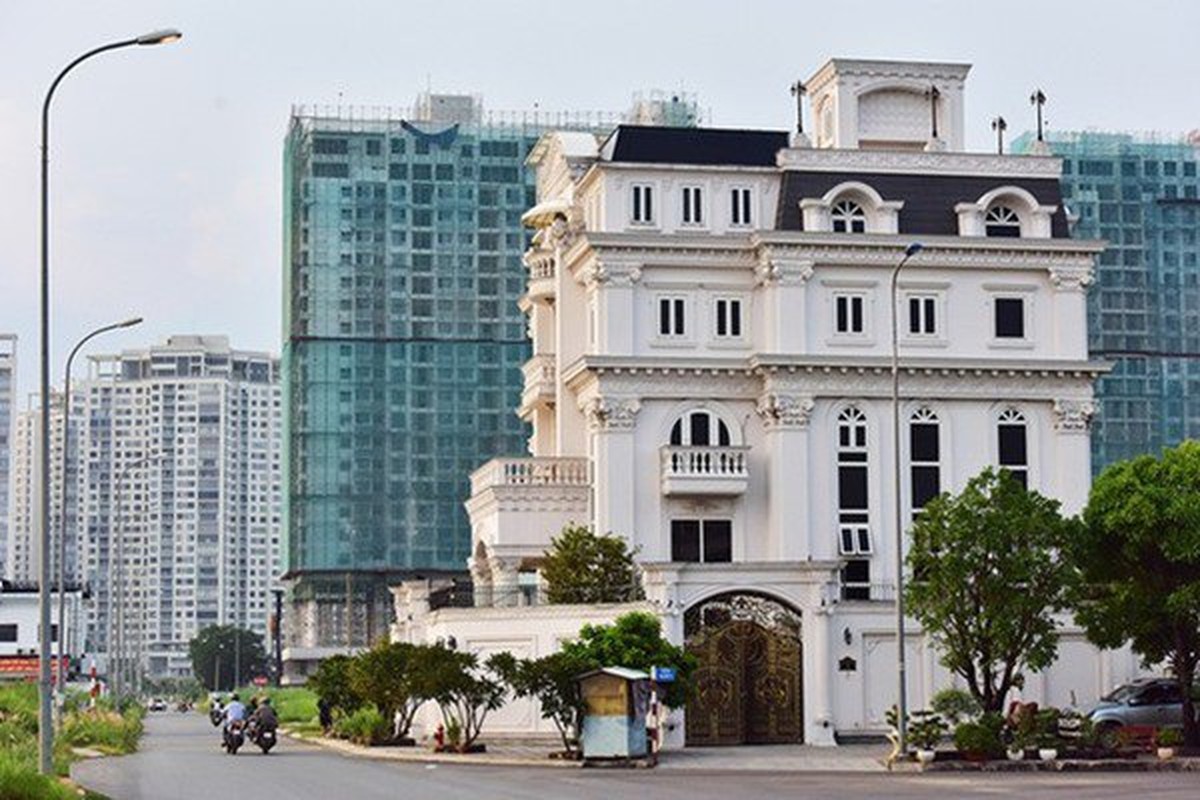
213	653
1139	556
581	567
552	680
635	641
331	682
387	676
987	581
464	690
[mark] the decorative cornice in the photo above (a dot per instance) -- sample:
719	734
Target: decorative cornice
1074	416
608	413
918	163
611	273
773	271
785	410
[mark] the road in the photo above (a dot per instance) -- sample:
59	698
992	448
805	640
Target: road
180	760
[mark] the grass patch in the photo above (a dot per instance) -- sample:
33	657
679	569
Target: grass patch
294	705
20	780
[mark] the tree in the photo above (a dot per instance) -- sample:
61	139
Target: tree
635	641
987	581
464	690
553	681
1139	556
213	653
386	675
331	682
581	567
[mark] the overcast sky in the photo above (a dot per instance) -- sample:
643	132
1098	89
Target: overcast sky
166	161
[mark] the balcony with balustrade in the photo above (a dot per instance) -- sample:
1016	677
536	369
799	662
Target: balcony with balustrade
540	373
540	263
704	470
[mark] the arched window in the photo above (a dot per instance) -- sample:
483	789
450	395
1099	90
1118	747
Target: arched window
854	530
924	455
1012	447
848	217
1002	221
700	428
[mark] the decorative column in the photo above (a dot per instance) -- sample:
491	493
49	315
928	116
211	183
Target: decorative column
818	688
611	286
611	421
506	589
1070	309
783	283
1072	451
785	420
481	581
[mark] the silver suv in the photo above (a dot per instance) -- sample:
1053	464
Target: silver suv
1147	701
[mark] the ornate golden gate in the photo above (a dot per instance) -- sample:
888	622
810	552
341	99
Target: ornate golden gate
748	686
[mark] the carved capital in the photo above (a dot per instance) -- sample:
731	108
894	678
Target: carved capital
1071	279
563	232
785	410
611	413
774	271
613	274
1073	416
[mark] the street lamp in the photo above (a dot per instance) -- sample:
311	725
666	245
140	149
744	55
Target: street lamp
62	534
902	722
45	689
119	633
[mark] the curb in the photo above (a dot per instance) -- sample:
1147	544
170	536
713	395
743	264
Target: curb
1058	765
417	755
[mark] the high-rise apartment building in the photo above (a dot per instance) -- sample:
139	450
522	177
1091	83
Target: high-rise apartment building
403	341
1139	194
191	430
8	397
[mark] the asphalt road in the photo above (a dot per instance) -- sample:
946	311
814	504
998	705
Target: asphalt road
180	760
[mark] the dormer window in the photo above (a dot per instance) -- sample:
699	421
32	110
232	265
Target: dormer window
848	216
1002	222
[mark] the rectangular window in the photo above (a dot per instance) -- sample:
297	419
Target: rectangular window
670	316
739	207
848	313
643	205
693	211
8	633
1013	452
729	318
924	447
856	579
1010	318
922	315
709	540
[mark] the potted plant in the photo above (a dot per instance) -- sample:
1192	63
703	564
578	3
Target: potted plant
925	729
1167	739
1048	739
1020	730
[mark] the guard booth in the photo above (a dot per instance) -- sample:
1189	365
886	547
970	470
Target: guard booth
614	723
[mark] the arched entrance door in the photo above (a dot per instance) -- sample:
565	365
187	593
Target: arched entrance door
748	682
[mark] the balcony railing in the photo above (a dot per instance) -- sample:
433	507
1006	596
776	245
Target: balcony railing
539	373
531	472
704	470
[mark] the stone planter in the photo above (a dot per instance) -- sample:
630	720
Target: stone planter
1047	753
1015	754
926	756
1166	753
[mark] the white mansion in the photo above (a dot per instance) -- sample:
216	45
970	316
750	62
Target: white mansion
711	379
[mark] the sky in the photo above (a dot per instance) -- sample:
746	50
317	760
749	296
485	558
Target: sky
166	161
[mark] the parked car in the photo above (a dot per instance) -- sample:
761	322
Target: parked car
1147	701
157	704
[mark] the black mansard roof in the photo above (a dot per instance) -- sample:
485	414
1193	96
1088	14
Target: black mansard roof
641	144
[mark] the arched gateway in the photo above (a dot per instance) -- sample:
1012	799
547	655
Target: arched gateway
748	682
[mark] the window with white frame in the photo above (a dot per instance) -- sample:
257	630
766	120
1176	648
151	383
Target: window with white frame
924	455
740	201
642	209
702	540
671	316
848	216
849	313
727	322
922	315
854	530
1008	315
693	206
1012	445
1002	222
700	428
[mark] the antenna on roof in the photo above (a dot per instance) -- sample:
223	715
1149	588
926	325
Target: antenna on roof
1038	98
798	91
999	126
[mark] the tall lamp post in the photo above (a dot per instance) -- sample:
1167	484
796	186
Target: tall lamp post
45	687
62	533
902	721
117	531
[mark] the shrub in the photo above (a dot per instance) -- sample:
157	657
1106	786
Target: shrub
1047	728
926	729
332	682
365	726
955	705
1168	737
106	731
980	738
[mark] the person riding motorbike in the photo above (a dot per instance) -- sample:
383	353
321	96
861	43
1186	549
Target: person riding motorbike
265	718
234	711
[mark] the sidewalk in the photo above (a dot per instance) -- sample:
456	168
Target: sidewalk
856	758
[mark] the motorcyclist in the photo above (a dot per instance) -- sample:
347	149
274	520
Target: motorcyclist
234	711
264	716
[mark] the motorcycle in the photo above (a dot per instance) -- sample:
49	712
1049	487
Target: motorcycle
234	737
263	737
216	716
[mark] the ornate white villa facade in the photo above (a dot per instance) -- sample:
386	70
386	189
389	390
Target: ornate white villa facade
711	379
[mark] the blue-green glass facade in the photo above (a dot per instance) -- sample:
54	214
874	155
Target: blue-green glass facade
1141	196
403	339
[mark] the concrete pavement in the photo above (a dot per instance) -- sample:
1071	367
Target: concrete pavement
180	760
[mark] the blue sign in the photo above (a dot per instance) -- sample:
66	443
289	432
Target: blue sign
664	674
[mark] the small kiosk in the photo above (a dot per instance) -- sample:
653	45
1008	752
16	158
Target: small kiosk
617	701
